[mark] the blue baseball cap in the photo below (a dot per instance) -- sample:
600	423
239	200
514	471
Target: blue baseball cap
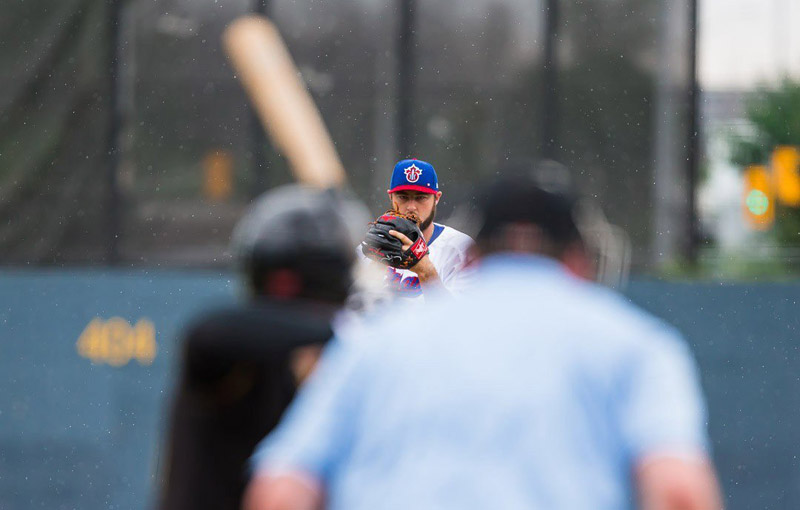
414	175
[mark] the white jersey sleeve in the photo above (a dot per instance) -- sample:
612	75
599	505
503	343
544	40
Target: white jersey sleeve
451	258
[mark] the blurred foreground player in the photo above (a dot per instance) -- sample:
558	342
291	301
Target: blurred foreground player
241	366
543	391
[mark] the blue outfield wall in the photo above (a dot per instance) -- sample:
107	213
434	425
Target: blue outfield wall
77	433
87	359
746	338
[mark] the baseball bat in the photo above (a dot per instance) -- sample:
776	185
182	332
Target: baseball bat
282	102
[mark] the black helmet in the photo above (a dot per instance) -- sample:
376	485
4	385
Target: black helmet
516	199
306	230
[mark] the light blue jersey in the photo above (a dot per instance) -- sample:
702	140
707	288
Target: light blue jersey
533	391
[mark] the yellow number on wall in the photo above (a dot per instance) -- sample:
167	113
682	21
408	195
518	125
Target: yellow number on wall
115	342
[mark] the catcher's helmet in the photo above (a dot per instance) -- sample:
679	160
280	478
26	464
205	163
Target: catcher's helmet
309	231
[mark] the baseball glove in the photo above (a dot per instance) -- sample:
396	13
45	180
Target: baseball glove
381	246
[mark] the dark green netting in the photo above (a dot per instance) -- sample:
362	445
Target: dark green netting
478	103
54	103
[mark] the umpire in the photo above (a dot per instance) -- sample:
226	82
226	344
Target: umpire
241	366
538	390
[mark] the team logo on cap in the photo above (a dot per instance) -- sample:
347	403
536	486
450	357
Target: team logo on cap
412	173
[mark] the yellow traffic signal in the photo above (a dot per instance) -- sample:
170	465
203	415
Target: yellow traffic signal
786	179
759	199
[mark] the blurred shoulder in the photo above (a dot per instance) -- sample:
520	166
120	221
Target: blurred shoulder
262	326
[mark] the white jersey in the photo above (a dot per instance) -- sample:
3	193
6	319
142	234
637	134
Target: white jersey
448	250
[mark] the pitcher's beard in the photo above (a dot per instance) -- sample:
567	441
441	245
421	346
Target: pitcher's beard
427	222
